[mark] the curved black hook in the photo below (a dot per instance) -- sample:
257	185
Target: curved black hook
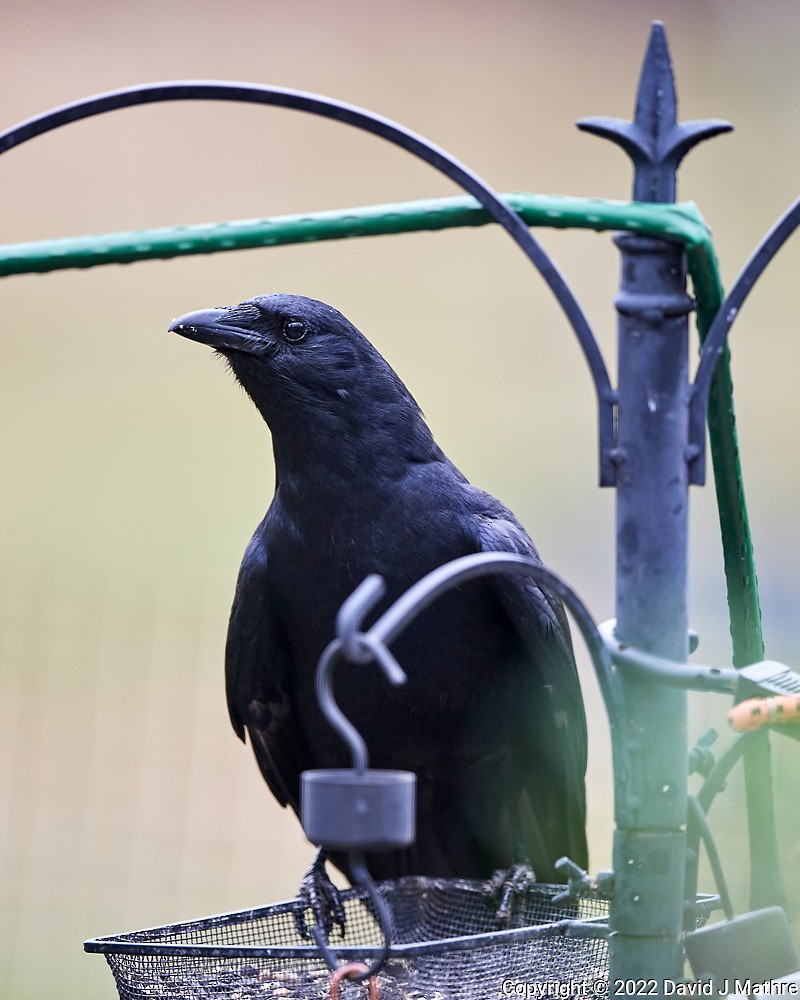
361	646
381	912
349	114
407	607
352	644
718	332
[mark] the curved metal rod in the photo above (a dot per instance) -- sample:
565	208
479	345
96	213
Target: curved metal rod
406	608
323	945
697	829
713	784
349	114
717	335
696	676
382	913
767	887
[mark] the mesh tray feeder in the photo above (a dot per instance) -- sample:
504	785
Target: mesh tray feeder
446	945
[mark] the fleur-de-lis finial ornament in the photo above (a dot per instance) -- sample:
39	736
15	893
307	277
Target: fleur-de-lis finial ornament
655	140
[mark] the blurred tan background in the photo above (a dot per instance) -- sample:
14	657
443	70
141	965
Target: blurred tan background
133	471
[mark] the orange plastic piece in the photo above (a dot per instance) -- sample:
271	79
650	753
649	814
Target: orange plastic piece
757	712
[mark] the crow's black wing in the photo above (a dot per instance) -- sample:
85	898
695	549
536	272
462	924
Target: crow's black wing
258	680
551	794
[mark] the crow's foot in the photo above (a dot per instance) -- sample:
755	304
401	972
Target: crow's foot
508	887
321	896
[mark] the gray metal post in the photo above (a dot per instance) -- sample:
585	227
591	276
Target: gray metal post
652	516
652	539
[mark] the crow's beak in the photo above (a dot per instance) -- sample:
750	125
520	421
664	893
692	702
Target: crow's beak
211	326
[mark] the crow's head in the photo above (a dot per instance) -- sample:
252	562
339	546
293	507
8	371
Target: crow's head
306	367
291	348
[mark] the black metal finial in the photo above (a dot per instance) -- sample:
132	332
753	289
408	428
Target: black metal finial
655	140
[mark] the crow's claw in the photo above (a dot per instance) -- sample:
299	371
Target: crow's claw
508	887
318	894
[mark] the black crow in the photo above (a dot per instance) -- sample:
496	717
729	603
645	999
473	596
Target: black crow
491	718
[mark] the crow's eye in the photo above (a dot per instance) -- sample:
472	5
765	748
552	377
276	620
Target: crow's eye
294	330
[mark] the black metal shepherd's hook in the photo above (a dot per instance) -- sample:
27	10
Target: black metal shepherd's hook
383	817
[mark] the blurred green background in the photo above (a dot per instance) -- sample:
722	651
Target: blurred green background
134	471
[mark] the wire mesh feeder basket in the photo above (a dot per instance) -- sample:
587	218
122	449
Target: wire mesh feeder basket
446	945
